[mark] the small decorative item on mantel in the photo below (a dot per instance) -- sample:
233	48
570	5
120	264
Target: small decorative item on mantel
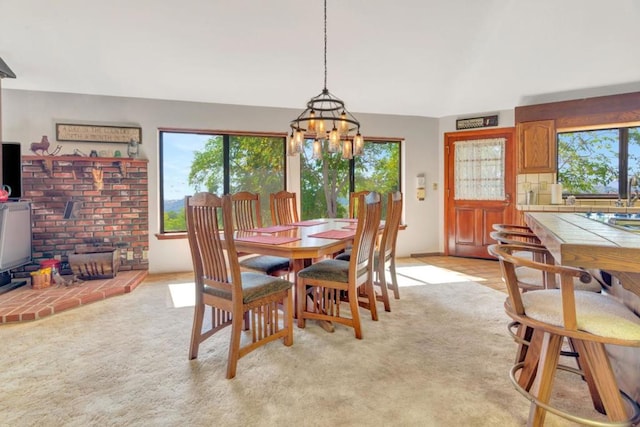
42	148
132	148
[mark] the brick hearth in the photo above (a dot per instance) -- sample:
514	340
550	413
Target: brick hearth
25	304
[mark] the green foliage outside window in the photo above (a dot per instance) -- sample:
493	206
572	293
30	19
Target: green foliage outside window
590	162
256	164
325	183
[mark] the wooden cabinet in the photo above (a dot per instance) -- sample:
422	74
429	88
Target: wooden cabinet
537	146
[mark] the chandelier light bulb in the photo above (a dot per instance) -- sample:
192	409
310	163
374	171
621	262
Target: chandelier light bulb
317	149
312	121
334	141
358	145
344	125
347	152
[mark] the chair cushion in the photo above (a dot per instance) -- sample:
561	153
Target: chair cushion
334	270
596	313
254	286
266	263
346	256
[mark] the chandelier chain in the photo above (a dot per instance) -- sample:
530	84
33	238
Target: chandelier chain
325	44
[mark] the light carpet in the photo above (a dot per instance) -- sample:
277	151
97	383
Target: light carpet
440	358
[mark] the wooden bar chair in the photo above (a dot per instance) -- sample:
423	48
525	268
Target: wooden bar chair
246	216
588	320
284	208
530	278
327	282
235	297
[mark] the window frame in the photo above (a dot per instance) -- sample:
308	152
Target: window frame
352	164
623	159
226	138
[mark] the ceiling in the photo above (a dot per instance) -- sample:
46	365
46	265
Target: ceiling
430	58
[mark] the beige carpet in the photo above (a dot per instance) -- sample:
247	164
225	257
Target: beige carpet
440	358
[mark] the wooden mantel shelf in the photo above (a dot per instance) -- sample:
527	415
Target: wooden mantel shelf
120	162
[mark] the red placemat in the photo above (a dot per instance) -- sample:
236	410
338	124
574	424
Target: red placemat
268	240
308	223
272	229
335	234
351	226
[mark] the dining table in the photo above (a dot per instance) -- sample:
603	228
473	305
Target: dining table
302	242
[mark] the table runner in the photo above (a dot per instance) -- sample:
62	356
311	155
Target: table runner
335	234
272	229
308	223
270	240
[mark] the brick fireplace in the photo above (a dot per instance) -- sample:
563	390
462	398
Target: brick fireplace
80	202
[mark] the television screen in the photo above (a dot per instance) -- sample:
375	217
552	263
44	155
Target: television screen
15	234
12	168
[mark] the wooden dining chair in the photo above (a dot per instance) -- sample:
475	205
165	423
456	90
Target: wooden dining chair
327	282
235	297
284	208
247	216
385	255
588	320
353	202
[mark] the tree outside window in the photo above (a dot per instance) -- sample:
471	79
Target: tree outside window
598	162
326	183
218	163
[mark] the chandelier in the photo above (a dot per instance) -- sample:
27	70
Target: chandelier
327	121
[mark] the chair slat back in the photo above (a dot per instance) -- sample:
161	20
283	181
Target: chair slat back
284	208
353	202
208	218
515	238
391	225
369	211
246	210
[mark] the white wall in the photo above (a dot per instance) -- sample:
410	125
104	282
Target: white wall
27	115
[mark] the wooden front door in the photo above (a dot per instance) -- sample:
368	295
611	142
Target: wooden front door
480	188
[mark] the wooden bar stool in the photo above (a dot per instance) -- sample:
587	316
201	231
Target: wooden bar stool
588	319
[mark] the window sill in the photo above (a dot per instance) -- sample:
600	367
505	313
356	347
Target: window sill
171	236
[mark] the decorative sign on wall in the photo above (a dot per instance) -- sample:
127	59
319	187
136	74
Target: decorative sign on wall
95	133
477	122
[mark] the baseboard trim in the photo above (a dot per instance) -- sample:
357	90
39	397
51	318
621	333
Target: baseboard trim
426	254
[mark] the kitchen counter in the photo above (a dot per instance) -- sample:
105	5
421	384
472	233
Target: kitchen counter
578	241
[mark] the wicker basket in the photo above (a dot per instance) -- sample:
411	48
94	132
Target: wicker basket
94	263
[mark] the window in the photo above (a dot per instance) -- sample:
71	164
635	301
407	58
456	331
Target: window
598	162
326	184
219	163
